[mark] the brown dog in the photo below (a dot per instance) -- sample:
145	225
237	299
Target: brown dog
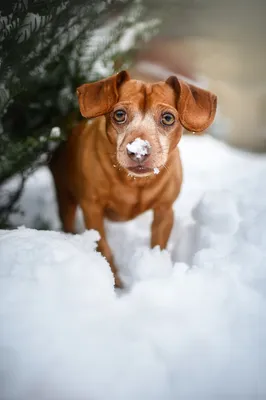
126	161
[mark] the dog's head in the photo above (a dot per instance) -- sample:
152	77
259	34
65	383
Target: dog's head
145	121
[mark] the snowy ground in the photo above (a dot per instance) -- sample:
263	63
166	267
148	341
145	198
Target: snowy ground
191	323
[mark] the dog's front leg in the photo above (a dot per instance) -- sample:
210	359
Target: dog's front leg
93	218
161	227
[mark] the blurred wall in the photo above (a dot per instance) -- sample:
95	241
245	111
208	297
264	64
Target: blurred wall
224	42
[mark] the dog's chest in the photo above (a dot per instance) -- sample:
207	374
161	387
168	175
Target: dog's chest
126	204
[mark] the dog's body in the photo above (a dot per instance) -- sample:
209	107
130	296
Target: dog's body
96	170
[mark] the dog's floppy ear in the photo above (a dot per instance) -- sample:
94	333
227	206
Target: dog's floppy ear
98	98
196	107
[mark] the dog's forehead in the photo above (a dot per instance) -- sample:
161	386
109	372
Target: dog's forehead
147	94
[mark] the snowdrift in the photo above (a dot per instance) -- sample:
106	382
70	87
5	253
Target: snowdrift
191	323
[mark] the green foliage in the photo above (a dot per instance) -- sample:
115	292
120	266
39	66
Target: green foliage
47	49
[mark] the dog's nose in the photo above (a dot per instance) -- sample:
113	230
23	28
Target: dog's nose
139	150
138	157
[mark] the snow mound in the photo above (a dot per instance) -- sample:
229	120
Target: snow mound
179	333
191	323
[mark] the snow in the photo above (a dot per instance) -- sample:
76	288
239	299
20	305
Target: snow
55	132
139	147
191	323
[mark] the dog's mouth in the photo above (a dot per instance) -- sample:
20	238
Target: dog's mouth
140	169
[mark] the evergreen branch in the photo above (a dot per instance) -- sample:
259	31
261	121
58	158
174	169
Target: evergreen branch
58	51
8	208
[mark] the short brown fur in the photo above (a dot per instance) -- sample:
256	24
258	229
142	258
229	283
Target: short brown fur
93	169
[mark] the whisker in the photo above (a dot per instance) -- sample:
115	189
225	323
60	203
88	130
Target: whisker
166	168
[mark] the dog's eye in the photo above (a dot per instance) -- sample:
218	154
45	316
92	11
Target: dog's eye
120	116
168	119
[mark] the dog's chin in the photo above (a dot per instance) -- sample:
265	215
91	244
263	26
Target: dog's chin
139	171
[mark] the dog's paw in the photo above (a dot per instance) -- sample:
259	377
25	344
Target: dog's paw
118	282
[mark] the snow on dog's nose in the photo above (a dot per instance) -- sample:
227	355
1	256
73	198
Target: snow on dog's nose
139	150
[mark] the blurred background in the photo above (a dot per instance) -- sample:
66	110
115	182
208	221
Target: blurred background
49	47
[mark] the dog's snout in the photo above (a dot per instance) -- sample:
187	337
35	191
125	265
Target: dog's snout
139	150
